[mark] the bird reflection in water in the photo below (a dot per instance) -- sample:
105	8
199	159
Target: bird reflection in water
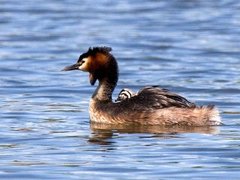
103	134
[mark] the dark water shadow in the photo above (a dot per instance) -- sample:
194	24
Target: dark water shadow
103	133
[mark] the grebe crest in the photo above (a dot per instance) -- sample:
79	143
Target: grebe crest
152	105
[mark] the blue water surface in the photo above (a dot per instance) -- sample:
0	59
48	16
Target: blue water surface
188	46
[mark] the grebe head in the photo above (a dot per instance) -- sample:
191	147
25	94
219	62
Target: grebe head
98	62
125	94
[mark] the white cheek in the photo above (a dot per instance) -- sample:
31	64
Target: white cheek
84	67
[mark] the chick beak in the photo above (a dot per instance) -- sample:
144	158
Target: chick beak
71	67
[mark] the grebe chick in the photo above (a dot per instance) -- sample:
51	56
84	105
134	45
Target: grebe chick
150	106
125	94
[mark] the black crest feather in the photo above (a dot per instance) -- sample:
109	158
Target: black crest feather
103	49
94	50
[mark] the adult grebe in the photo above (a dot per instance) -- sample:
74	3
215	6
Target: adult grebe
152	105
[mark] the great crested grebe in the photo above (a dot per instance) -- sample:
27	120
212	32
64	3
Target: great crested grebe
152	105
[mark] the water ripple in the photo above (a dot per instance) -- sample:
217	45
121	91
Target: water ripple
189	47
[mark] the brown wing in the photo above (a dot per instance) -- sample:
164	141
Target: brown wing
154	97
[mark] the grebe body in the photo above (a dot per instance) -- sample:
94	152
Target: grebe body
152	105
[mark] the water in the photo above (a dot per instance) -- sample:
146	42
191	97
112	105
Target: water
190	47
